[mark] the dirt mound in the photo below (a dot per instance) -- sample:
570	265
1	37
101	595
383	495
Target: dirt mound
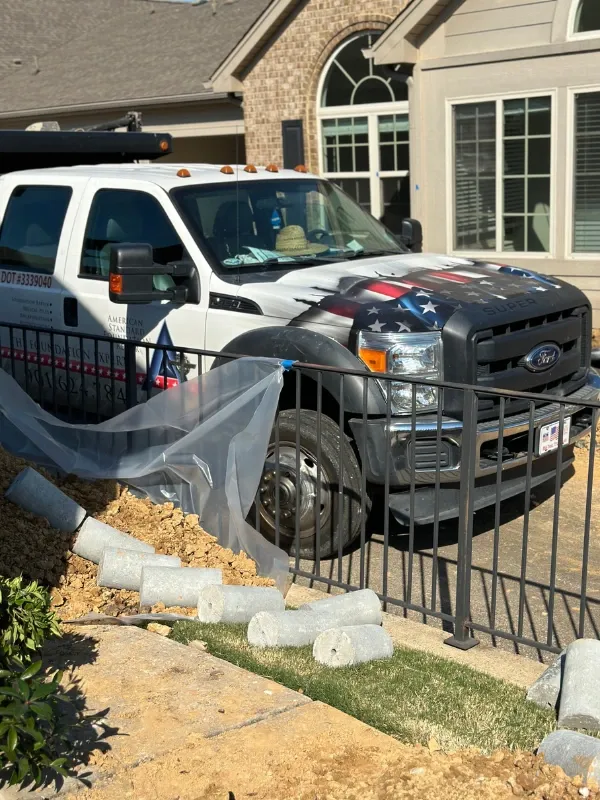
209	771
29	546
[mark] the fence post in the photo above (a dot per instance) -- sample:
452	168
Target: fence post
461	638
130	374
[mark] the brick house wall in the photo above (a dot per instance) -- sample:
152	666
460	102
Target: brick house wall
283	83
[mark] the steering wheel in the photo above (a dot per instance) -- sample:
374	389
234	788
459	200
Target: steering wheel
317	234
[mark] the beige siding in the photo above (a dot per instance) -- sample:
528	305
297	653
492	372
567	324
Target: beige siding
480	26
431	156
502	39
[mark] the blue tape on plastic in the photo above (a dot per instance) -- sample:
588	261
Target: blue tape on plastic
287	363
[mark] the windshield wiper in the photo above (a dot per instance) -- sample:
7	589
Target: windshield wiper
370	253
311	261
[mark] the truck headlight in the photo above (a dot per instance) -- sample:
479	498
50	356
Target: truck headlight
414	355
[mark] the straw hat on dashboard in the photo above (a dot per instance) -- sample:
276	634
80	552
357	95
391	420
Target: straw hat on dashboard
292	241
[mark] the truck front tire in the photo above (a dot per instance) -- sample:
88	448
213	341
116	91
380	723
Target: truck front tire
308	512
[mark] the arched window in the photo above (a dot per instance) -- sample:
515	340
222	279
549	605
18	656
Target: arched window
363	118
587	17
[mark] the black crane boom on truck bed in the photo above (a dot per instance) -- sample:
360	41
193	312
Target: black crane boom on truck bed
39	149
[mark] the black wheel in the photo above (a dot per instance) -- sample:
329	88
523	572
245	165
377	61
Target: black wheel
301	483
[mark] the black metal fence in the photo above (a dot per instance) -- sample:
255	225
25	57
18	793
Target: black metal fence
483	523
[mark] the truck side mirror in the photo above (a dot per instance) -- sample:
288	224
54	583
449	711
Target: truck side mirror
411	235
132	272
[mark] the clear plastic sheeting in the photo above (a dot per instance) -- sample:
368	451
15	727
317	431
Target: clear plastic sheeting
201	445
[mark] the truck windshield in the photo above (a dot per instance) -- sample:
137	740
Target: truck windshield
290	223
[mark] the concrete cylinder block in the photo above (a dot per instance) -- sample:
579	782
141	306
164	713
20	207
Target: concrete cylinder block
237	603
362	607
287	628
122	569
354	644
580	690
575	753
175	586
33	493
546	690
94	536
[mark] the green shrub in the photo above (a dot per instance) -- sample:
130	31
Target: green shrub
25	619
32	735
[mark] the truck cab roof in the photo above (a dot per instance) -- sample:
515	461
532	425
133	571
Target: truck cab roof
165	174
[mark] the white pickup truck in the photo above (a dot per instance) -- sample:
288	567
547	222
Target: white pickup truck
281	263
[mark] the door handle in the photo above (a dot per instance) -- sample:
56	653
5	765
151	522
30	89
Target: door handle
71	312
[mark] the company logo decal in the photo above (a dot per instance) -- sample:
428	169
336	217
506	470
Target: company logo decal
542	357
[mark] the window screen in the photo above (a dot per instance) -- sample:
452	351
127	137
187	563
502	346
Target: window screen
586	222
32	227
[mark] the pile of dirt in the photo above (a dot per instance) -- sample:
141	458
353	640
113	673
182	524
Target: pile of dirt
214	770
29	546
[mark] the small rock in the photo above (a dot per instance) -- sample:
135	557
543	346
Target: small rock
584	791
221	710
417	771
433	745
198	644
156	627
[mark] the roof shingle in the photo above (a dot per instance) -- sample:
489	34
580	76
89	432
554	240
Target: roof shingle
104	52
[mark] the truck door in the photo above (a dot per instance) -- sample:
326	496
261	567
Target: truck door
37	220
130	212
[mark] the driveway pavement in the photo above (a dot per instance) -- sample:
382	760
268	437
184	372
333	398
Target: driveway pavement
519	601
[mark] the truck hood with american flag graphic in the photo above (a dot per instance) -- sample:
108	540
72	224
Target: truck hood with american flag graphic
405	293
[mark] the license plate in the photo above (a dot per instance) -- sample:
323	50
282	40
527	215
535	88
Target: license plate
548	440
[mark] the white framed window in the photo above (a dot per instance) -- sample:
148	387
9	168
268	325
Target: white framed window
501	158
584	20
364	131
583	190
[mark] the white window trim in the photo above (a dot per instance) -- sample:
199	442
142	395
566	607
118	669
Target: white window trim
572	36
570	178
375	175
498	98
372	111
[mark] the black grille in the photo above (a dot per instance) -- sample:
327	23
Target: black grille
500	357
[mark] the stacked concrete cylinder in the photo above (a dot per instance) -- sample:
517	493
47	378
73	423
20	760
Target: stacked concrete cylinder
33	493
580	688
354	644
301	627
236	604
95	536
175	586
122	569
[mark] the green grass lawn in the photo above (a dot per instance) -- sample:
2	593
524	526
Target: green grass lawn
412	696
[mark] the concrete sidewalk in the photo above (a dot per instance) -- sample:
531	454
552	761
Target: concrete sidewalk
188	726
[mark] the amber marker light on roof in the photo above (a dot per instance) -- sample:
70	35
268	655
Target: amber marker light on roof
184	173
249	168
164	145
227	170
272	168
300	168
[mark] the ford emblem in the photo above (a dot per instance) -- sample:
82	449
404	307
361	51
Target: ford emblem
542	357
